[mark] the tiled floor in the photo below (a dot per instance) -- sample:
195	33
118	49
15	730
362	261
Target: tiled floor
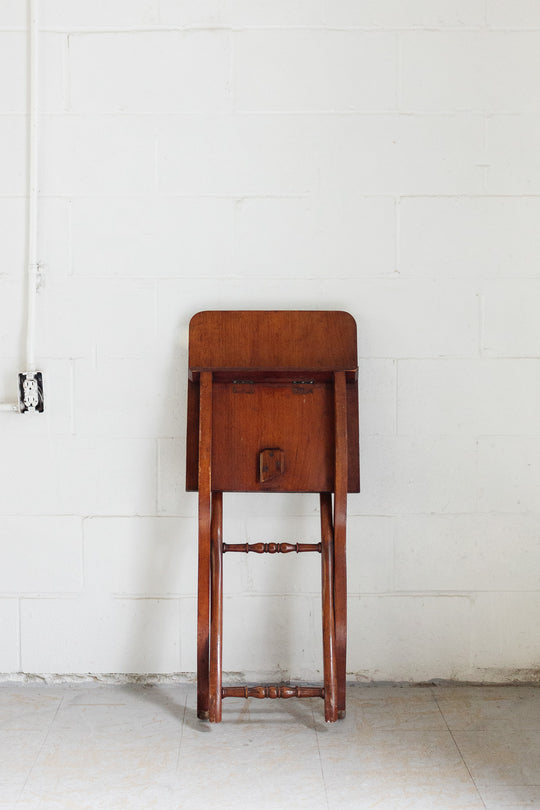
89	747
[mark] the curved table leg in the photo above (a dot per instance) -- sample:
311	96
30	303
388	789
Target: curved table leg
340	528
329	647
205	516
216	607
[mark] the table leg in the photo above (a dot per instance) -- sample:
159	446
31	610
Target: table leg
340	527
216	608
205	514
329	649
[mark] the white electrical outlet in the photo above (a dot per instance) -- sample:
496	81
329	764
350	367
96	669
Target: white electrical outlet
31	392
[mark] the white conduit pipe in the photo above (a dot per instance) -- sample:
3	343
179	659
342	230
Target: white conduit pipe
33	140
32	273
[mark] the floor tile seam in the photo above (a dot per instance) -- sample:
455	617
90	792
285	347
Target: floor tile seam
41	749
500	786
498	729
458	749
321	764
181	739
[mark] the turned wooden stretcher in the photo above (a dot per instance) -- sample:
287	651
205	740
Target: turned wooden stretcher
272	407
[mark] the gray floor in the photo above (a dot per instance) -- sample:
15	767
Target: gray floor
133	747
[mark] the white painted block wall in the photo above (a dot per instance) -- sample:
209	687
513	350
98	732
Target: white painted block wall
369	155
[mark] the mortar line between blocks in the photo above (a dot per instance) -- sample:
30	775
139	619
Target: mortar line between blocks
314	112
486	165
19	635
232	69
478	497
83	551
399	72
238	29
481	328
72	396
69	234
323	11
368	195
155	190
396	397
66	63
158	477
397	235
394	553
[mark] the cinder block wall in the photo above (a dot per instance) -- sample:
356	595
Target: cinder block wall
373	155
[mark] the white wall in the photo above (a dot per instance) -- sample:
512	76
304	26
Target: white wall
369	155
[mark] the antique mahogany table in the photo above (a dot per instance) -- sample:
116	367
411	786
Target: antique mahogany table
272	407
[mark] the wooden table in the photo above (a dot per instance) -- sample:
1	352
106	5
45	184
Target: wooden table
272	407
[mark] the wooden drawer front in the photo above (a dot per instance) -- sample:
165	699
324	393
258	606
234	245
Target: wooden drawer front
248	418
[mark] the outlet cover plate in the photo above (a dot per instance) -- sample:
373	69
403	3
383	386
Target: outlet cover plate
31	392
